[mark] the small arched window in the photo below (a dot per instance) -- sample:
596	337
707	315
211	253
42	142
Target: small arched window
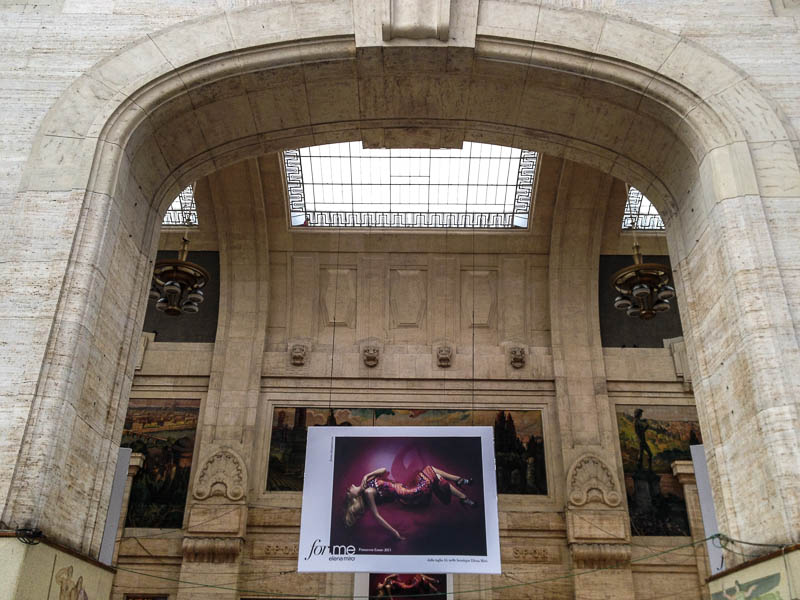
183	210
640	214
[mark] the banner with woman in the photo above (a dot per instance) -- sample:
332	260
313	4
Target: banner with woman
400	499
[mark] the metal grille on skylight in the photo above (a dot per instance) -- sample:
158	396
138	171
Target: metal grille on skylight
640	214
346	185
183	211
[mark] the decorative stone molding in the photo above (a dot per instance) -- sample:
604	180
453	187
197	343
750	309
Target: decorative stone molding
370	351
216	550
223	474
600	556
680	359
370	354
297	354
136	463
517	356
590	481
416	19
444	355
683	470
786	8
144	340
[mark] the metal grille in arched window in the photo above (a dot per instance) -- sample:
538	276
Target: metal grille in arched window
640	214
346	185
183	211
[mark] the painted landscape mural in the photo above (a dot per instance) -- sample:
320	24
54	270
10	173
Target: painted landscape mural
164	431
651	438
518	440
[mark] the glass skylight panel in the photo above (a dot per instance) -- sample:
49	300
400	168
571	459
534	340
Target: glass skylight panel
183	211
346	185
640	214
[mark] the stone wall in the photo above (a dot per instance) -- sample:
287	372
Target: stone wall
46	45
650	106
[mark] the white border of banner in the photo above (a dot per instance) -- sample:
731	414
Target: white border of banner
315	523
361	586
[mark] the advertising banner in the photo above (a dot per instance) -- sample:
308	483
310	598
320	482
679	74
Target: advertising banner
399	500
430	586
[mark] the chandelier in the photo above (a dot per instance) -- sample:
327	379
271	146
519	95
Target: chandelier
644	288
177	284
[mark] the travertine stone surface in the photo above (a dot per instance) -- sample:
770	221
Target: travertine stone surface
136	462
683	470
107	115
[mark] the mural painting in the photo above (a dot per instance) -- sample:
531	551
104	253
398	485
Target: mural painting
518	440
651	438
69	588
164	431
772	577
762	588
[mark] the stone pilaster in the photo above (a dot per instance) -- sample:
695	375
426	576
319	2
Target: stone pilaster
217	510
137	460
597	523
684	473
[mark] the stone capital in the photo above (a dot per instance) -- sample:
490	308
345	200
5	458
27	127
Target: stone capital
136	463
683	470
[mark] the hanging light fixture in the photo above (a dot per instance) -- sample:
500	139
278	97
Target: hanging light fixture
177	284
644	288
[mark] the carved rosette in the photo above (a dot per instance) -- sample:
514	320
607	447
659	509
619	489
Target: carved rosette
217	550
223	474
590	481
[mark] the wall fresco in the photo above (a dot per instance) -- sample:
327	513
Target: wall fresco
651	438
164	431
518	439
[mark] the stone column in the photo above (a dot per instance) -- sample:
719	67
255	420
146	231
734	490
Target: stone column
597	522
684	473
137	460
217	507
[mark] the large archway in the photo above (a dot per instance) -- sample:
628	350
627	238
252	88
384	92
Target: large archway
679	123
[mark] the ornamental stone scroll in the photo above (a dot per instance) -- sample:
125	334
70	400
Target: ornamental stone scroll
223	474
590	481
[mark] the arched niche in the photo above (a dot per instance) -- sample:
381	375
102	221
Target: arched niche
688	129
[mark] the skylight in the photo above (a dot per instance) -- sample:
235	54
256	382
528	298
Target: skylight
183	211
640	214
346	185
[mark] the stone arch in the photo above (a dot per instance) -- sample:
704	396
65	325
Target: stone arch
684	126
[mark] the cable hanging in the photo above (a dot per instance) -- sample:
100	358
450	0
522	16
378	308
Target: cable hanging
572	574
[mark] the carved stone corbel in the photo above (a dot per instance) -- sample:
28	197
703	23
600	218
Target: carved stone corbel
370	351
216	550
218	514
597	525
443	353
516	356
600	556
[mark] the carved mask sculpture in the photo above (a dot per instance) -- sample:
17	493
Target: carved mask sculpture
298	355
371	354
444	355
517	357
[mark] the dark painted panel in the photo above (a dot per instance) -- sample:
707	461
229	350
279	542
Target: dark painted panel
617	329
199	327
